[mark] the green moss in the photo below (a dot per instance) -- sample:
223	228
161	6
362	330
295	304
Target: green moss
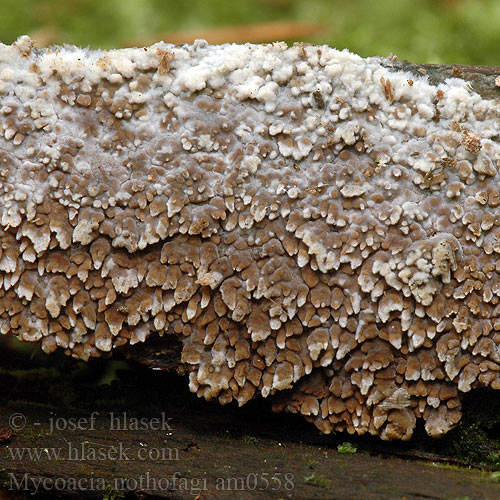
476	439
495	476
347	448
493	459
111	494
249	440
469	443
318	480
310	462
446	466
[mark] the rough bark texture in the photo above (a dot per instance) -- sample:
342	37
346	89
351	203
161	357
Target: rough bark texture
483	79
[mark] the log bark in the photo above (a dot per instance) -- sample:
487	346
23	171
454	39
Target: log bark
480	78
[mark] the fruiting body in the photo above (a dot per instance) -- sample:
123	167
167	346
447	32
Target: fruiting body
301	218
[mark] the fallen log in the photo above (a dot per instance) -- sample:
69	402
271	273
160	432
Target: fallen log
307	224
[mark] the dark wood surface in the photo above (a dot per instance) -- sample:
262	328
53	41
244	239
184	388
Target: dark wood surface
216	453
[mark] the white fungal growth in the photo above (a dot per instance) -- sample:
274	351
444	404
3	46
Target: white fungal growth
299	217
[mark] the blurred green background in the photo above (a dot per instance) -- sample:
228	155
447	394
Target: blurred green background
431	31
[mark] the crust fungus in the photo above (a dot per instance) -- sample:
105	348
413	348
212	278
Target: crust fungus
309	224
